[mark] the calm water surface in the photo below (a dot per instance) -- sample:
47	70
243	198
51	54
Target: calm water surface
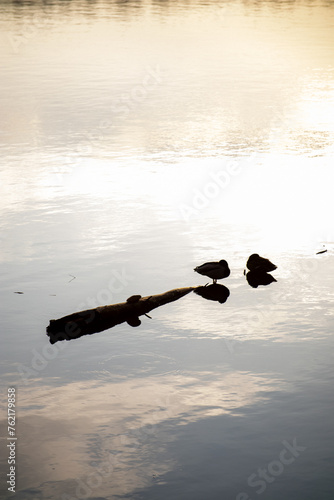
138	140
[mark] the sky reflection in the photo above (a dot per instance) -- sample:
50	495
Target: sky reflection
135	412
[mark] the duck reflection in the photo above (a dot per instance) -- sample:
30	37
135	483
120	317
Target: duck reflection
219	293
257	278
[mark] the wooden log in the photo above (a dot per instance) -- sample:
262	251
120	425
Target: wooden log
102	318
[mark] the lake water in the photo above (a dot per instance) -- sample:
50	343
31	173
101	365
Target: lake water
140	139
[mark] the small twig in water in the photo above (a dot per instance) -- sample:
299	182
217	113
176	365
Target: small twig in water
324	250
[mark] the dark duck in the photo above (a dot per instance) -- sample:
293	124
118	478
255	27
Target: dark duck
257	263
214	270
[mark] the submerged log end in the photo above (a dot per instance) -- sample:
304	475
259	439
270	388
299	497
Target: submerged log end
74	326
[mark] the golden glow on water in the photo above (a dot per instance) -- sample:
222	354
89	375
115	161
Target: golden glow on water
262	100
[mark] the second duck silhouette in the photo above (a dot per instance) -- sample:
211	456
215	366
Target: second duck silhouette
257	263
214	270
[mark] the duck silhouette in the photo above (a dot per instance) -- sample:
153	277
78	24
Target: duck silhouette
214	270
257	263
